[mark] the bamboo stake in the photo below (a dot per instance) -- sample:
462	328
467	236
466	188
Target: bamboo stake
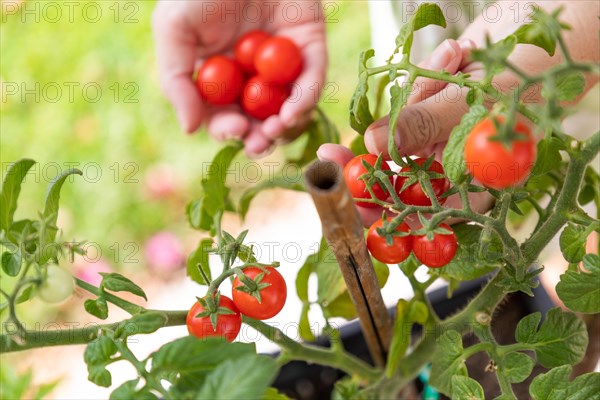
343	230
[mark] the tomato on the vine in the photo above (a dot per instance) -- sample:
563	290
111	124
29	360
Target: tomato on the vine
58	286
228	325
261	98
394	254
220	80
278	60
270	299
245	49
414	194
492	163
438	252
358	189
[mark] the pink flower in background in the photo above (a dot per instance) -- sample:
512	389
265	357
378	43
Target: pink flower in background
89	271
164	252
161	180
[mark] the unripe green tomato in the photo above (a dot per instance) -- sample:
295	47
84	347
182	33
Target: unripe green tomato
58	286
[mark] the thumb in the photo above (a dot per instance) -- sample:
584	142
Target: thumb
429	117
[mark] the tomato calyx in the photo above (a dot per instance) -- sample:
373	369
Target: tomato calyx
375	174
389	230
421	174
429	230
211	309
253	286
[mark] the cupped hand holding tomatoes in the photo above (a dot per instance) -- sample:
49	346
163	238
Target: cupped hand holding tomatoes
354	169
414	194
269	297
491	162
437	252
397	252
228	325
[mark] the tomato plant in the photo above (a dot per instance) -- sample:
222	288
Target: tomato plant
439	249
220	80
57	286
228	321
410	190
261	98
245	49
495	164
264	297
354	170
278	60
397	251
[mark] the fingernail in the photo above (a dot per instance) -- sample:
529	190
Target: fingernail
466	44
442	57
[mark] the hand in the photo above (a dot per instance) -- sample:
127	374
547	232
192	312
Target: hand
424	124
186	32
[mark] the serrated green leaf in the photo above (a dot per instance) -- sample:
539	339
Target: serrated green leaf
98	307
143	323
465	388
273	394
453	155
360	114
541	32
118	283
11	188
252	375
399	98
580	291
516	366
197	216
570	85
99	351
561	339
572	242
213	184
199	259
99	375
548	156
11	262
427	14
448	361
555	385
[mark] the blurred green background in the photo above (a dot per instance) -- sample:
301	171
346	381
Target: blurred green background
85	94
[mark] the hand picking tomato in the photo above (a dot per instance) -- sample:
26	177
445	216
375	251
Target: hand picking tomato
492	163
414	194
58	285
261	98
278	60
228	325
438	252
358	189
220	80
394	254
245	49
270	298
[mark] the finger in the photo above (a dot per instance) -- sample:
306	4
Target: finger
335	153
256	145
446	57
228	123
466	45
176	54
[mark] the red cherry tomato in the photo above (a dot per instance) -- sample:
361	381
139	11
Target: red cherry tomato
220	80
261	99
272	297
245	49
414	194
228	325
437	252
492	163
278	60
394	254
358	189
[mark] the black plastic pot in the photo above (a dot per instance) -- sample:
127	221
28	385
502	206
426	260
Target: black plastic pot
302	381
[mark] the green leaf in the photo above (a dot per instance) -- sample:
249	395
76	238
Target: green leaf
143	323
569	85
97	355
357	146
118	283
399	97
11	188
189	354
331	283
342	307
127	391
453	155
98	308
427	14
591	187
99	375
572	242
197	216
541	32
252	375
304	324
199	259
516	366
278	181
273	394
580	290
360	115
465	388
11	262
561	339
400	339
448	361
548	156
555	385
213	184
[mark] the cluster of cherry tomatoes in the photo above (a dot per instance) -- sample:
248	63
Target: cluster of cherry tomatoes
259	76
267	304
